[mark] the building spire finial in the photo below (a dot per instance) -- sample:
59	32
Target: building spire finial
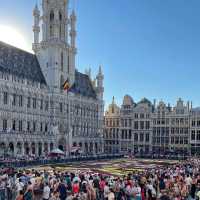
113	100
100	70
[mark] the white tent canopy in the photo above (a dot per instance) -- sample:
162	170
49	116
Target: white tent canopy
57	151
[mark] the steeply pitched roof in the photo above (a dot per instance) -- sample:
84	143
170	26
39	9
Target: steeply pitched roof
83	86
145	101
128	100
26	65
20	63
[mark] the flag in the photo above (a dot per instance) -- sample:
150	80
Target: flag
66	85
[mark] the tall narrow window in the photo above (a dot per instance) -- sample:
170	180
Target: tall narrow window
51	20
34	126
60	17
5	98
41	126
14	100
20	125
41	104
28	126
34	103
28	102
51	16
68	63
62	62
5	123
14	125
51	31
20	101
61	82
46	105
46	127
61	107
60	31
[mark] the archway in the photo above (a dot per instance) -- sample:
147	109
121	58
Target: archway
74	144
96	148
46	148
26	148
86	148
141	152
61	147
11	149
33	148
2	148
62	144
19	148
39	149
91	147
51	146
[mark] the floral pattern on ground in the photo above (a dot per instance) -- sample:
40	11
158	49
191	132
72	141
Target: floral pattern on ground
119	167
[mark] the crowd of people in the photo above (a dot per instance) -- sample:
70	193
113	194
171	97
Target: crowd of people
173	182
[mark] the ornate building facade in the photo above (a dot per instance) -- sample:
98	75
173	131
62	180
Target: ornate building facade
112	124
134	129
37	115
171	128
148	128
195	131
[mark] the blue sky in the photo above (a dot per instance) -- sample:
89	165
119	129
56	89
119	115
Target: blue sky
148	48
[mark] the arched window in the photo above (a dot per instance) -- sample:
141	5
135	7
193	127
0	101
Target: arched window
51	16
51	25
60	16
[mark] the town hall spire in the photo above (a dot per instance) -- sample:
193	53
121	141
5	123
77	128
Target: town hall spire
56	52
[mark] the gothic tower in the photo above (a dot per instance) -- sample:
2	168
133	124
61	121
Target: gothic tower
57	49
100	87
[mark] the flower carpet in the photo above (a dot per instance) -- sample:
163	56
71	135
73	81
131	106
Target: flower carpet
117	167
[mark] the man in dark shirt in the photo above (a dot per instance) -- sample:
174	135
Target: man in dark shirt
62	190
96	186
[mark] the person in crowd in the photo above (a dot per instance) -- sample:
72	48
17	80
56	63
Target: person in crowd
20	196
111	194
46	191
28	195
62	189
106	191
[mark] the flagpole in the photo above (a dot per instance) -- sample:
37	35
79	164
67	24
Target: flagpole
66	86
69	110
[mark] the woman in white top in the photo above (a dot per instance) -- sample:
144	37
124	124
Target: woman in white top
46	192
111	195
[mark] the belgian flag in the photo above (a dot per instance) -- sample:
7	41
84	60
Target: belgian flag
66	85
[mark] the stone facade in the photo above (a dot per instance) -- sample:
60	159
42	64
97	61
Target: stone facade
147	128
37	115
112	135
171	128
195	132
132	125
